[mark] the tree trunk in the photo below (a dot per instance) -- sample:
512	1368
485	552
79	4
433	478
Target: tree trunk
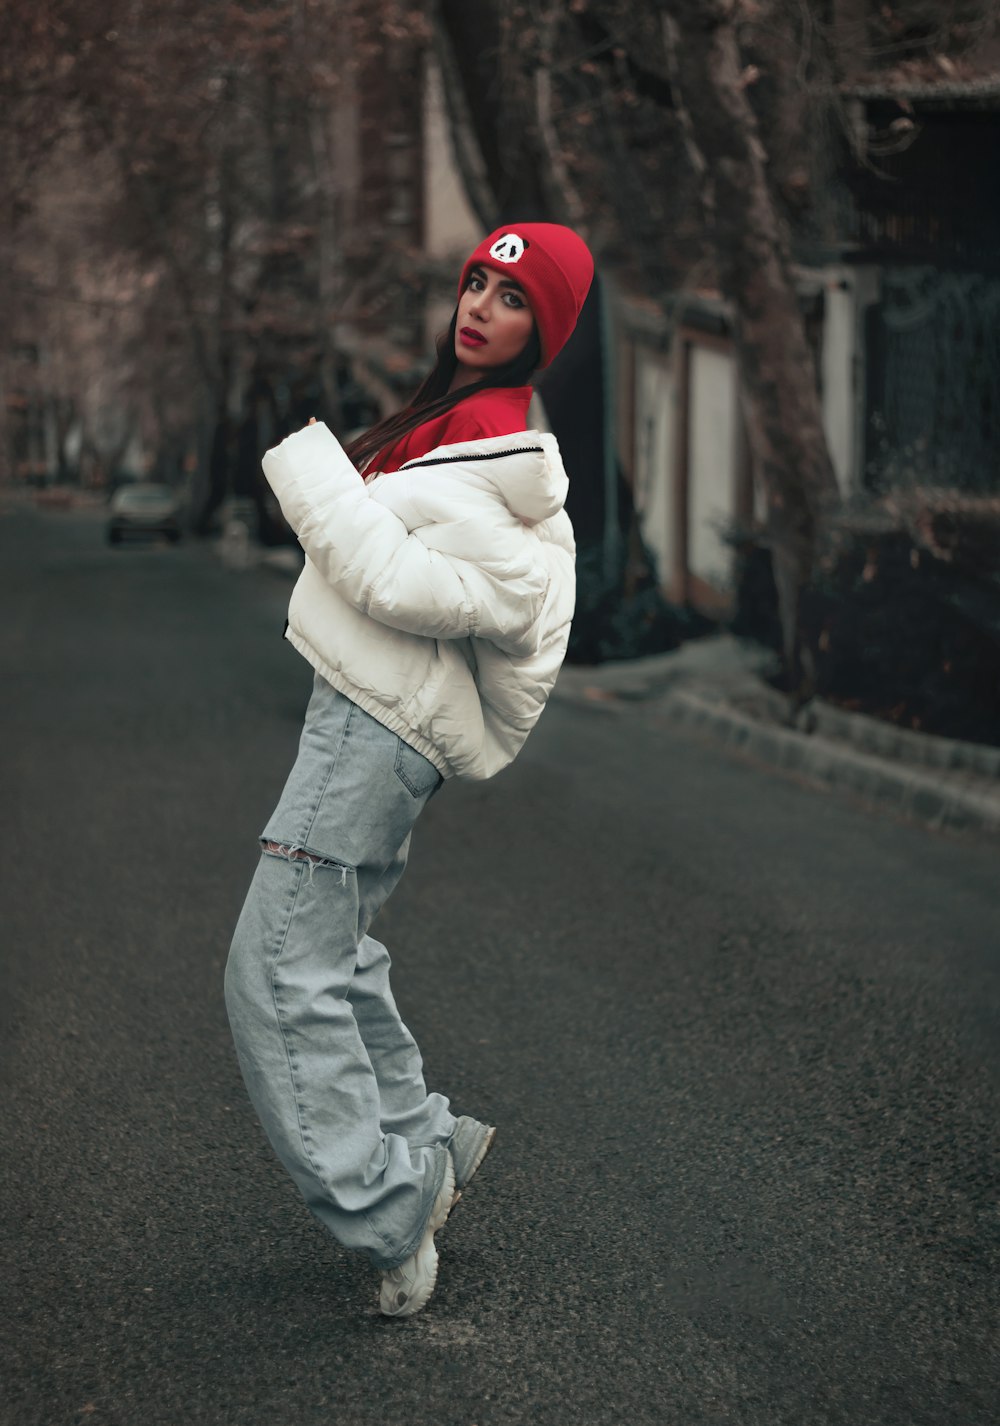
849	36
465	142
779	398
512	159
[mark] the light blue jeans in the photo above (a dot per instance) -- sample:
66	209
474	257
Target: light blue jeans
332	1071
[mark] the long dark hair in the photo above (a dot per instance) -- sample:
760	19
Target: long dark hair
432	397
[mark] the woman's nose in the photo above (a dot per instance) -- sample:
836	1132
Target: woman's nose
479	306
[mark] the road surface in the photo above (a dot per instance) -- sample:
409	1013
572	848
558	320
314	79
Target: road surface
739	1036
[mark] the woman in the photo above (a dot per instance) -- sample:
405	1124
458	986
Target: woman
434	607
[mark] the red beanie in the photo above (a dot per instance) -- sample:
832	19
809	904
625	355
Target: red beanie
553	266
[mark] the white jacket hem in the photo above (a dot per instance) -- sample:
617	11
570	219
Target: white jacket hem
370	704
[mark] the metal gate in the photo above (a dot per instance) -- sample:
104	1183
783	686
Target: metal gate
933	349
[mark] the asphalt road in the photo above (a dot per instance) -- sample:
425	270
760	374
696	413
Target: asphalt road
740	1038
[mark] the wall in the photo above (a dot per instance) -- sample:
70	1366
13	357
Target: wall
451	229
848	293
653	454
838	373
712	454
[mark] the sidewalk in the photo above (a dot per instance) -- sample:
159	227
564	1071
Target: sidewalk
713	686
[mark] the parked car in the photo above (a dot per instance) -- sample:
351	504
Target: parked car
144	509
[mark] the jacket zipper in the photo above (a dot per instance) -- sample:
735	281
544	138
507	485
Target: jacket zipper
490	455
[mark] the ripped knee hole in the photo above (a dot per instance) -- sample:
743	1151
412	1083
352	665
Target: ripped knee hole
299	854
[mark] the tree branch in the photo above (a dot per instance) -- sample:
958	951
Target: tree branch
606	50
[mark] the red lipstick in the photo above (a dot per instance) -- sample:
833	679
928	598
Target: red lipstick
471	338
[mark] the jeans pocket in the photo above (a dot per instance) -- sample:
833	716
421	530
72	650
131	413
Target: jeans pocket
417	773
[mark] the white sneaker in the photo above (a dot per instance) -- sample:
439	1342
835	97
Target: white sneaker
406	1289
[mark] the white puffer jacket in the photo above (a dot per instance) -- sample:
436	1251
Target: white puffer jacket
438	597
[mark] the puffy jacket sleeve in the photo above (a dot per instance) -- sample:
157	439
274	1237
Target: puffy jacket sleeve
366	552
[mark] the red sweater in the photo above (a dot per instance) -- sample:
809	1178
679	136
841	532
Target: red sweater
497	411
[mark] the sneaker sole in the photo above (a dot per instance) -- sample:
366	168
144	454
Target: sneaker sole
484	1149
487	1144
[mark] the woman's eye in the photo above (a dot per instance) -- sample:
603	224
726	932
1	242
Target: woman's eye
512	299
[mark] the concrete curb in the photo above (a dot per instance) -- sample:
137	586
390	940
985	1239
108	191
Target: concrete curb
933	797
717	686
871	735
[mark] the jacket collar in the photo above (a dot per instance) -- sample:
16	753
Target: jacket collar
526	468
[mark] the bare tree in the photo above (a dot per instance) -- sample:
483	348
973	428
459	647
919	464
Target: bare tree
202	134
643	120
780	401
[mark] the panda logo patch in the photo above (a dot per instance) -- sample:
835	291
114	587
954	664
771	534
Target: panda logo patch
509	248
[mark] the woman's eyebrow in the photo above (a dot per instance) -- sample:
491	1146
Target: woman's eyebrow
504	281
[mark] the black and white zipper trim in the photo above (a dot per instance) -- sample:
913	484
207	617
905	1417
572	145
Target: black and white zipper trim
487	455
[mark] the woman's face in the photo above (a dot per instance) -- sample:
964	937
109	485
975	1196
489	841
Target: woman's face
494	322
